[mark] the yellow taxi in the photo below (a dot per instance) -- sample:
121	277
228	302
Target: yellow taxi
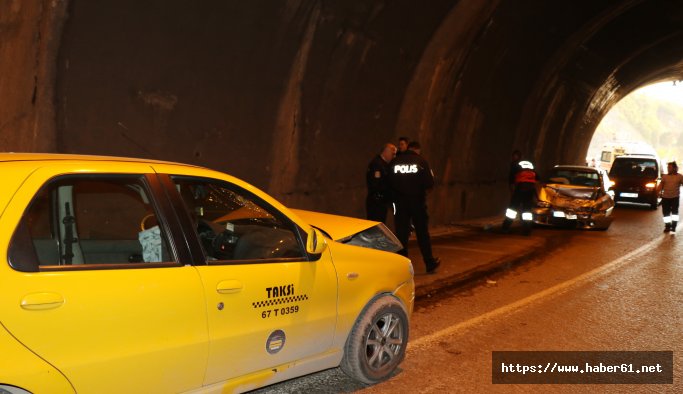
135	276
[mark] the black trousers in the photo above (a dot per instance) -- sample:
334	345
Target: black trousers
414	210
376	210
670	208
522	202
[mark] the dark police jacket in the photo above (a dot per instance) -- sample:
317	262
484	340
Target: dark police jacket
410	176
377	179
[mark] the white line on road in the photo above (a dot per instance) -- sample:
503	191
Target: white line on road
552	291
450	247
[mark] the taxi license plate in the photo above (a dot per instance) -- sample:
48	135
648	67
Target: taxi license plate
629	195
571	216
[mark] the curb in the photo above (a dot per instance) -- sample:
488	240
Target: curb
464	278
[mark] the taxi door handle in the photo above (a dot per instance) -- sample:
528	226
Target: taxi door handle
229	286
42	301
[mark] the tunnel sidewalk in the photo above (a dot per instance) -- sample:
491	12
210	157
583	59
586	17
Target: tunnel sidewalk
470	250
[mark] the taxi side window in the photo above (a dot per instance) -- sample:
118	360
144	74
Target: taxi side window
234	226
89	220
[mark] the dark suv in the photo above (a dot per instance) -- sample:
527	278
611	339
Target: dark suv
636	178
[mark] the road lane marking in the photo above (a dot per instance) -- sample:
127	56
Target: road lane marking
469	249
552	291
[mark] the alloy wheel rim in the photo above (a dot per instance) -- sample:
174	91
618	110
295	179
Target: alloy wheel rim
384	341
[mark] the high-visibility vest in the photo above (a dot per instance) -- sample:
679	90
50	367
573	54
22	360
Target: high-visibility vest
525	176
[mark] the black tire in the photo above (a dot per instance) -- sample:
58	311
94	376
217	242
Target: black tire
377	343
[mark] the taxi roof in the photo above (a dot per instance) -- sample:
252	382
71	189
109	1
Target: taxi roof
39	159
21	156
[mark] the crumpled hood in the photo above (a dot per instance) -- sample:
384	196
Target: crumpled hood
566	196
338	227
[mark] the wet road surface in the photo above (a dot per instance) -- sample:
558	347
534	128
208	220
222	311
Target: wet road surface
620	289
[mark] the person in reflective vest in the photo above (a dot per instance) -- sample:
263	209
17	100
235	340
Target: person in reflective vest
671	191
514	168
522	197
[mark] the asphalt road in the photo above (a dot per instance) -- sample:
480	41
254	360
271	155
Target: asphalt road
617	290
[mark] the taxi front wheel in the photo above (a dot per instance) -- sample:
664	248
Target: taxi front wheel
377	343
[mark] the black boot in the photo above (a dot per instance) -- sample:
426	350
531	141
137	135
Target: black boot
667	227
673	226
432	264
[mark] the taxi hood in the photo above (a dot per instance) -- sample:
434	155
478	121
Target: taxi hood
353	231
338	227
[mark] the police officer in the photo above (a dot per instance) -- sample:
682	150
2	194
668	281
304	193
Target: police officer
522	197
410	179
402	145
378	199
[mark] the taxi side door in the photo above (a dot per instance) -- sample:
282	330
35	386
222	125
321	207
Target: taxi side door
268	303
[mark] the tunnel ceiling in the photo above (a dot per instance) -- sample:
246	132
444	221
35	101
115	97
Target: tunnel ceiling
297	96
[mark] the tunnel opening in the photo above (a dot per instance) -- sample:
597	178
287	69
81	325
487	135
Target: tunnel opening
647	121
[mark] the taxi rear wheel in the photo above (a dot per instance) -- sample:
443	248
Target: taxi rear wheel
377	343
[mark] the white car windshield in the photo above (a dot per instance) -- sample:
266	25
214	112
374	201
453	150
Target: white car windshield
574	177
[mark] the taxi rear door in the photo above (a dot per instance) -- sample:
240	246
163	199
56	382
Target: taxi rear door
108	323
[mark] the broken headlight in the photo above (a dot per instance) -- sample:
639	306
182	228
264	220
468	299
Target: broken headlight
376	237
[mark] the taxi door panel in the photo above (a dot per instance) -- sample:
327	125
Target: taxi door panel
266	314
102	323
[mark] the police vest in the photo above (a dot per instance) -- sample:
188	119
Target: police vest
525	176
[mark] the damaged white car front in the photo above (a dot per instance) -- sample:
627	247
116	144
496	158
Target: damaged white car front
574	201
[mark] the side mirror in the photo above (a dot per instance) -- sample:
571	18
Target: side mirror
316	242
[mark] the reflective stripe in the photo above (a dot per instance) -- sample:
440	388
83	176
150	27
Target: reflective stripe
510	214
667	219
527	216
675	218
393	204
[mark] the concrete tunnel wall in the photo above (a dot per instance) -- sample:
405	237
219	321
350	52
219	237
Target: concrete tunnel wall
297	96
